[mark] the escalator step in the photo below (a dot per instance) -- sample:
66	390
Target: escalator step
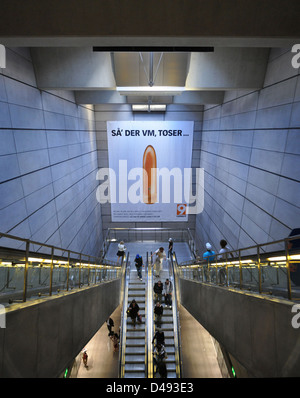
171	367
140	328
135	349
136	287
135	375
136	335
134	358
171	375
169	342
136	367
135	343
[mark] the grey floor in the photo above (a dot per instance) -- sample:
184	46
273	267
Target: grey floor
198	352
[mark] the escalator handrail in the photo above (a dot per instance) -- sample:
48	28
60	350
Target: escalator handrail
176	323
149	322
124	319
146	329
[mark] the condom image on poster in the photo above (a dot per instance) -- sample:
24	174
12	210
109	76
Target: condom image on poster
150	176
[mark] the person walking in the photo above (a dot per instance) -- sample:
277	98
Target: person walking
121	250
209	255
223	256
110	324
224	249
85	358
157	267
160	256
115	339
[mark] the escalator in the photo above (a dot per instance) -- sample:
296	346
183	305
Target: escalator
135	363
133	348
136	343
167	324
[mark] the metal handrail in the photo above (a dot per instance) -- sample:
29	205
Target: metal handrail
52	261
176	322
111	233
256	260
149	321
146	328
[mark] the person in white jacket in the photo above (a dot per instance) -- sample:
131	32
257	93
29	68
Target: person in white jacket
160	256
222	256
121	250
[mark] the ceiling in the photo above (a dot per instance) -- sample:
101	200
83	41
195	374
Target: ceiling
170	52
152	77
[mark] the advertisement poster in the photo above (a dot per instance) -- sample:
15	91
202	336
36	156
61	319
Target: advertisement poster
149	170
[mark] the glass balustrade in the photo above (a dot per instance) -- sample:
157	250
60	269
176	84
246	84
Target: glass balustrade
28	274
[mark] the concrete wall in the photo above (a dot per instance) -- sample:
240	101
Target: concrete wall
53	330
250	150
257	331
48	162
104	113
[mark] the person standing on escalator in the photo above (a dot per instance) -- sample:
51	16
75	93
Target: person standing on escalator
159	337
133	311
139	264
158	288
158	312
168	288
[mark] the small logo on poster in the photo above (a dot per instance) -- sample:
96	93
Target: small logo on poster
181	210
